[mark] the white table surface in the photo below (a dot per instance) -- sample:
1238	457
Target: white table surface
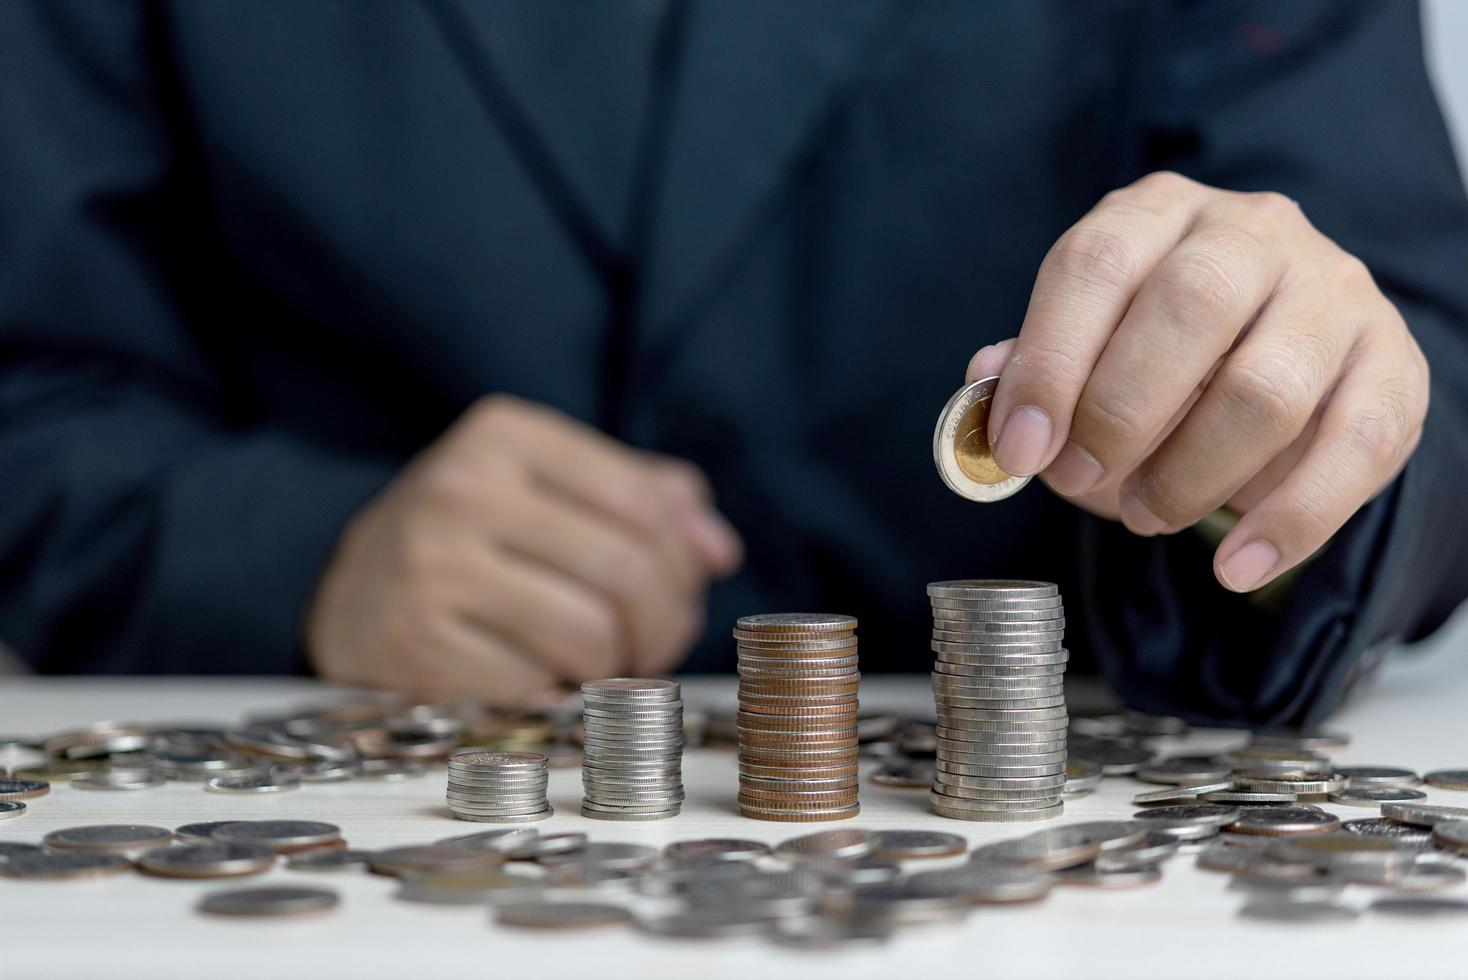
134	926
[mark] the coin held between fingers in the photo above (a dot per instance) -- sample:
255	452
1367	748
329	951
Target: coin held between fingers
961	449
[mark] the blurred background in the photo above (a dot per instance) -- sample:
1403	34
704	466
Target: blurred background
1446	23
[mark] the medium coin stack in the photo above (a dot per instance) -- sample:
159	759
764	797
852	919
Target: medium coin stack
998	688
632	762
798	681
498	787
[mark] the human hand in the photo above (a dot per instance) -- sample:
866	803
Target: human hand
520	551
1187	347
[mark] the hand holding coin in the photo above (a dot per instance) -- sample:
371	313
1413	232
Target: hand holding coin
1187	348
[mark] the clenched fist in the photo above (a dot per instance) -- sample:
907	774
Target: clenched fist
519	552
1187	347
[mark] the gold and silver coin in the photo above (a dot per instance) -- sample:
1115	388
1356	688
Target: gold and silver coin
961	449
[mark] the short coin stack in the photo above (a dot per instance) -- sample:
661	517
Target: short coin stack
632	763
798	681
998	688
498	787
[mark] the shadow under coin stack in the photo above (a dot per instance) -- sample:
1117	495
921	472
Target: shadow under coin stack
798	681
498	787
998	686
632	761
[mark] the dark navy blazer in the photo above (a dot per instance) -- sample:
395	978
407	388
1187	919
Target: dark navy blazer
255	255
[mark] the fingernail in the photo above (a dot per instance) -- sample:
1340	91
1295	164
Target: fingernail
1023	441
1247	568
1138	519
715	539
1074	471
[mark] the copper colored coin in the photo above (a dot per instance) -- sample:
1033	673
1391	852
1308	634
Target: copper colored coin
828	797
773	711
798	816
819	771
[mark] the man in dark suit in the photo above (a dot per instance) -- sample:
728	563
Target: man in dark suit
409	341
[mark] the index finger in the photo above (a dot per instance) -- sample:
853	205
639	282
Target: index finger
1082	291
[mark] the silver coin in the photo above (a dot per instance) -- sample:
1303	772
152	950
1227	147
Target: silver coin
275	900
944	809
905	845
719	848
704	923
993	589
983	884
253	783
41	865
1246	797
796	622
1422	908
1338	852
896	902
1184	770
1054	849
1114	758
1451	834
1376	795
561	915
1181	793
1253	862
11	808
199	833
1206	814
1081	776
208	860
1360	776
777	894
846	843
280	835
1321	888
1152	849
1274	910
1422	876
1379	827
1422	814
1284	821
606	854
1447	779
1093	876
480	888
1296	787
543	845
115	838
329	859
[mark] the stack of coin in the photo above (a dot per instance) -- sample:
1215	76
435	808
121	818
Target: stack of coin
796	726
632	761
498	787
998	687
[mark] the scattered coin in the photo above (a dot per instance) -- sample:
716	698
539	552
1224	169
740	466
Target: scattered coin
118	780
276	900
1189	814
252	782
721	848
210	860
1379	827
1451	834
63	864
605	854
1095	876
478	888
827	844
113	838
1422	814
561	915
983	884
328	859
1286	821
545	845
199	833
1376	795
1184	770
902	845
1422	908
282	836
1274	910
1447	779
23	789
1183	793
11	808
704	923
425	859
1362	776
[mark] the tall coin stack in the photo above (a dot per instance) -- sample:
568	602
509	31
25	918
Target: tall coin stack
632	759
998	685
798	682
498	787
